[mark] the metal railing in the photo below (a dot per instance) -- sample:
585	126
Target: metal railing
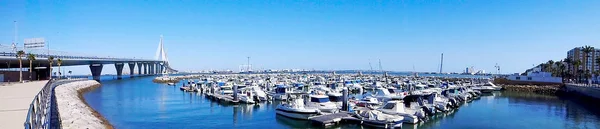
12	54
40	109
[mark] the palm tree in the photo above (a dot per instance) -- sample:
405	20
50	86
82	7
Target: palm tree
587	50
576	68
569	62
51	61
31	58
59	62
20	55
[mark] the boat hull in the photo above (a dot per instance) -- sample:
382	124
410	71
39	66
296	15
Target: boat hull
296	115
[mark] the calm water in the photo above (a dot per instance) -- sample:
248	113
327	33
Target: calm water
135	103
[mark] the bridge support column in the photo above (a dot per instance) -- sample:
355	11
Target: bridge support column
96	71
119	67
154	68
151	70
145	68
160	68
131	68
139	68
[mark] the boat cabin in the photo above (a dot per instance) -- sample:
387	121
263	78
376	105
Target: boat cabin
319	99
282	89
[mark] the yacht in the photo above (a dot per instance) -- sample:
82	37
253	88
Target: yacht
296	109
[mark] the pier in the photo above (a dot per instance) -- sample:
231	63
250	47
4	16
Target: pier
331	119
583	89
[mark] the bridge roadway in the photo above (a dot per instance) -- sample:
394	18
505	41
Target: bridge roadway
144	66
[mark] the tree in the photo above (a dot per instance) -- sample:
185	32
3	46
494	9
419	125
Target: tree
51	61
587	50
20	55
59	62
31	58
576	68
569	63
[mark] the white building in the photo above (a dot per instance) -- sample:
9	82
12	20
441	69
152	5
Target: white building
536	75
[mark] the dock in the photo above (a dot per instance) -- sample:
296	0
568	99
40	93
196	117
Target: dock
222	98
330	119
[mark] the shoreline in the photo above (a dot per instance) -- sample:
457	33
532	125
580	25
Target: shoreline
70	102
80	93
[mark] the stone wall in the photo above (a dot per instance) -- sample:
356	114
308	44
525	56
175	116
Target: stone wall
74	111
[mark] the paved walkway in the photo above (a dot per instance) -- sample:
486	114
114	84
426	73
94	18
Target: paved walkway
14	102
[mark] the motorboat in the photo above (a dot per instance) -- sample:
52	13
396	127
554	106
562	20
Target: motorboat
369	102
411	115
383	94
376	118
296	109
226	90
322	103
485	88
490	84
336	98
281	92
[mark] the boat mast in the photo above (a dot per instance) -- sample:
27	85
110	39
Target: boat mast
371	66
442	63
380	68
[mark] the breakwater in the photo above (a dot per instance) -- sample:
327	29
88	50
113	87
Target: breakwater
73	110
540	89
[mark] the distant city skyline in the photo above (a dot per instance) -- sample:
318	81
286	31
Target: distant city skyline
321	35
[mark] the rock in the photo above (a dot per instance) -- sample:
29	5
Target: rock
541	89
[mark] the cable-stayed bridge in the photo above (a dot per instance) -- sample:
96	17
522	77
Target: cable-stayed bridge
158	65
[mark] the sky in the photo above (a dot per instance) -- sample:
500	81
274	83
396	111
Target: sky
324	35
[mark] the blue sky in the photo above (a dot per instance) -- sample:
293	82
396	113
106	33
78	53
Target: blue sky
331	34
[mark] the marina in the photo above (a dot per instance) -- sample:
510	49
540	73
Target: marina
300	65
175	106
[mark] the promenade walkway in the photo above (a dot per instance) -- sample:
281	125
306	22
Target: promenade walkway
14	102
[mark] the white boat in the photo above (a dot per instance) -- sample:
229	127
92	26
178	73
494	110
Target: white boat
246	96
295	109
322	103
369	102
336	98
383	94
487	89
281	92
226	90
411	115
379	119
493	86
